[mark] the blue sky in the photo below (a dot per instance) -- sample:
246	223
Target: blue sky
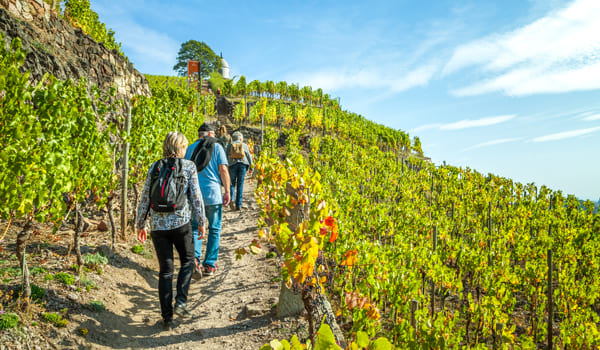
510	87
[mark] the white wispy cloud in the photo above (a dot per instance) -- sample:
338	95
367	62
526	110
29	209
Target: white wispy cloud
366	78
475	123
566	135
592	117
151	51
466	123
377	56
154	51
491	143
426	127
557	53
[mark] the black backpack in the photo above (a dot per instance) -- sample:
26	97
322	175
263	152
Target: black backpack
167	189
203	152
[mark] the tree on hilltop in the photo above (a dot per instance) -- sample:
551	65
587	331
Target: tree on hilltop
197	51
417	146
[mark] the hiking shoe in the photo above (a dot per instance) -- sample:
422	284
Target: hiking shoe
209	270
167	325
182	311
197	274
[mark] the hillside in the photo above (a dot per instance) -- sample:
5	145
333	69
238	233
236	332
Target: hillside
373	245
55	47
232	309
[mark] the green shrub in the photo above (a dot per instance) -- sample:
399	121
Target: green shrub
87	283
36	270
54	318
96	305
216	81
11	271
140	250
93	260
37	293
80	14
8	321
49	277
82	331
65	278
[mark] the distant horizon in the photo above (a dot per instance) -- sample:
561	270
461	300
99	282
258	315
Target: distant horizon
503	87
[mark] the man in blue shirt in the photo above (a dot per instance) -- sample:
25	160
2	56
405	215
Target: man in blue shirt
211	175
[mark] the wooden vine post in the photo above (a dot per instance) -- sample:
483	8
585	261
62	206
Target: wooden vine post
111	218
125	173
550	301
414	304
497	333
490	234
197	103
77	233
435	242
550	293
22	239
323	122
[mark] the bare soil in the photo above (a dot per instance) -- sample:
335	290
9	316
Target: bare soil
233	309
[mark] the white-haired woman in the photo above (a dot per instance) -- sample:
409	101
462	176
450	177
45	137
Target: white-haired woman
172	227
240	159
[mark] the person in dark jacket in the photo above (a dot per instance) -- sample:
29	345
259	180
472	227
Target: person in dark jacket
170	229
238	165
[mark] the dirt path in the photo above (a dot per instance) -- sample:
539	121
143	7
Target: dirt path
232	309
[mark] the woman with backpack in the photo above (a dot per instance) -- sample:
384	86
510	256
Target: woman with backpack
171	196
240	159
224	138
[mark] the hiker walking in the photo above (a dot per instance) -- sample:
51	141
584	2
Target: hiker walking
171	196
211	164
240	159
224	137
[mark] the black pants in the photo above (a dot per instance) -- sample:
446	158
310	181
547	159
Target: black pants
164	241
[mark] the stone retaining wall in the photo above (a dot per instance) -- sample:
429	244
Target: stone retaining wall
55	47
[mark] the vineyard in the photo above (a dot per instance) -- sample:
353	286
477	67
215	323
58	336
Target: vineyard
437	257
407	253
63	145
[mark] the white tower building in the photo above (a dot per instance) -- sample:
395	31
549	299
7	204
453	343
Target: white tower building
224	68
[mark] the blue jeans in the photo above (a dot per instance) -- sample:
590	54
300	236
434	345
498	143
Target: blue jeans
237	172
214	214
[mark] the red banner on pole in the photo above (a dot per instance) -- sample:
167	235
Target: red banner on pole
193	67
193	73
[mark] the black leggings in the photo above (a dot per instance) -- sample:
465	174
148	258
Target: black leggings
164	241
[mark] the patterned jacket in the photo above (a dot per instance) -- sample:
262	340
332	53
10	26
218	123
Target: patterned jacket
161	221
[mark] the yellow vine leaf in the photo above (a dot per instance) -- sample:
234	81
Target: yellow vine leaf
306	270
